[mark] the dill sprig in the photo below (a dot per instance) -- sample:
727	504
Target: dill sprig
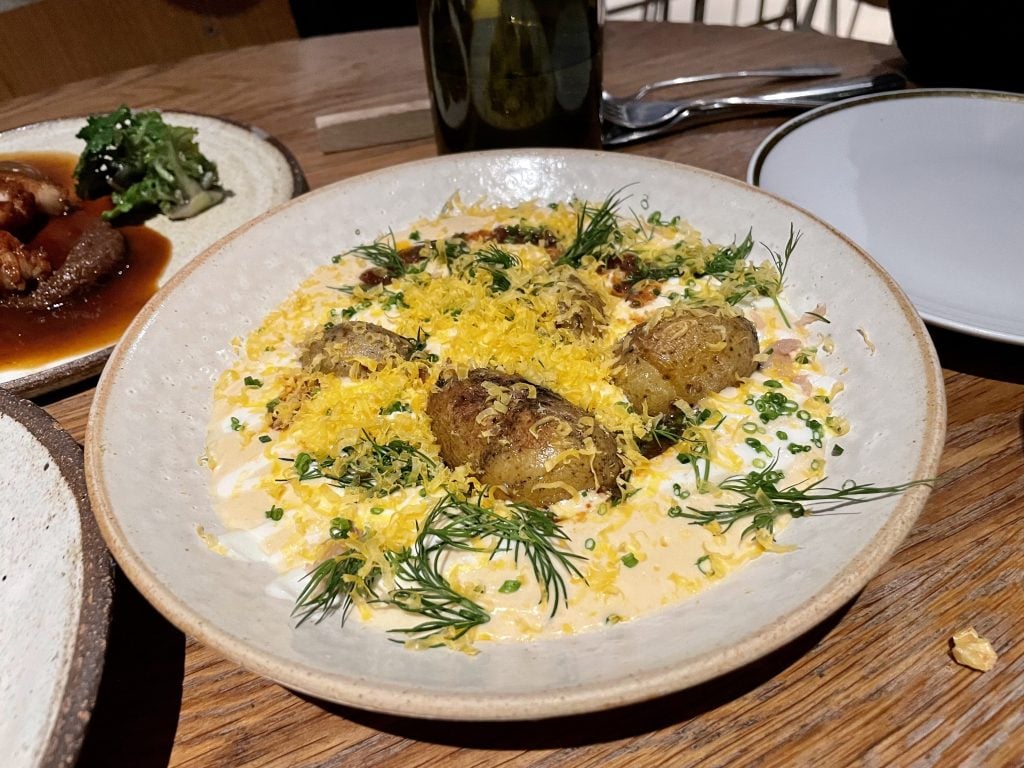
448	614
764	279
781	262
534	533
725	259
422	589
763	501
384	254
595	228
494	260
330	585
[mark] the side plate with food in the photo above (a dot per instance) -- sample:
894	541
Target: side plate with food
425	314
65	341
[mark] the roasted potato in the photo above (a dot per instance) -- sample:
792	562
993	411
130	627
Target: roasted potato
580	309
355	348
534	445
684	354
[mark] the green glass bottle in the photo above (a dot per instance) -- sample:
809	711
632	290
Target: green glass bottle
513	73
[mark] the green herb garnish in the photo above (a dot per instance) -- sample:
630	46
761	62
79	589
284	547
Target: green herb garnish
145	164
763	501
596	227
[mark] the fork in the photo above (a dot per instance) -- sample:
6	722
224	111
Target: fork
780	72
612	106
641	115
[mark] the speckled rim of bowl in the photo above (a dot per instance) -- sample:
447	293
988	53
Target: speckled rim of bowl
87	658
81	368
568	700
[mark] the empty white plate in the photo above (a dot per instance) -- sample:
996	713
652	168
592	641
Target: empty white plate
930	182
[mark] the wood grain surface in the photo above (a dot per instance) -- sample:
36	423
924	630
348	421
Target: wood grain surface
100	36
874	685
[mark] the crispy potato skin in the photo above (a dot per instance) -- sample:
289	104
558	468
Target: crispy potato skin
580	309
343	348
510	449
684	354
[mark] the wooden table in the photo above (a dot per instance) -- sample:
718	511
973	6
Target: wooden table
873	685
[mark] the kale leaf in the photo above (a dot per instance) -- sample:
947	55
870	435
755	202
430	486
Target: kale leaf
142	163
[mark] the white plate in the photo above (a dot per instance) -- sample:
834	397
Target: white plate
259	172
55	588
930	183
167	363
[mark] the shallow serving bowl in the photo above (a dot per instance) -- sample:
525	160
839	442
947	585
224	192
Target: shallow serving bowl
148	425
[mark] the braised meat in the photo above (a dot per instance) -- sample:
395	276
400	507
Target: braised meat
97	254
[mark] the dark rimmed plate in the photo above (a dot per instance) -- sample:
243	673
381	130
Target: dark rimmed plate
55	590
928	182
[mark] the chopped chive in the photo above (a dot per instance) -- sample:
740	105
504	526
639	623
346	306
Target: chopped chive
249	381
629	560
264	438
340	528
236	425
510	586
275	513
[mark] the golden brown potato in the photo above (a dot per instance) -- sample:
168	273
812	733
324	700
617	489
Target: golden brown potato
580	309
345	349
684	354
533	444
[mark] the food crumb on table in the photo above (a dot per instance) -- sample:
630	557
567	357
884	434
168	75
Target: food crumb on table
972	650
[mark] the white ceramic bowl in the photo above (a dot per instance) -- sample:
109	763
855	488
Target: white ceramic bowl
148	424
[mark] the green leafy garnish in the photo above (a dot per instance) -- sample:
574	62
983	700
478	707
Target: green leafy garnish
521	529
143	163
727	258
763	501
422	589
380	468
330	585
596	227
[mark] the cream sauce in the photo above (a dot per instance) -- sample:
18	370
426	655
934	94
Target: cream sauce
635	557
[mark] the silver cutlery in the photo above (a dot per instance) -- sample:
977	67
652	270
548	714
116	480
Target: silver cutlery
703	111
777	72
639	115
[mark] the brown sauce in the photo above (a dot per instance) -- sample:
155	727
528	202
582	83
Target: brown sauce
96	319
